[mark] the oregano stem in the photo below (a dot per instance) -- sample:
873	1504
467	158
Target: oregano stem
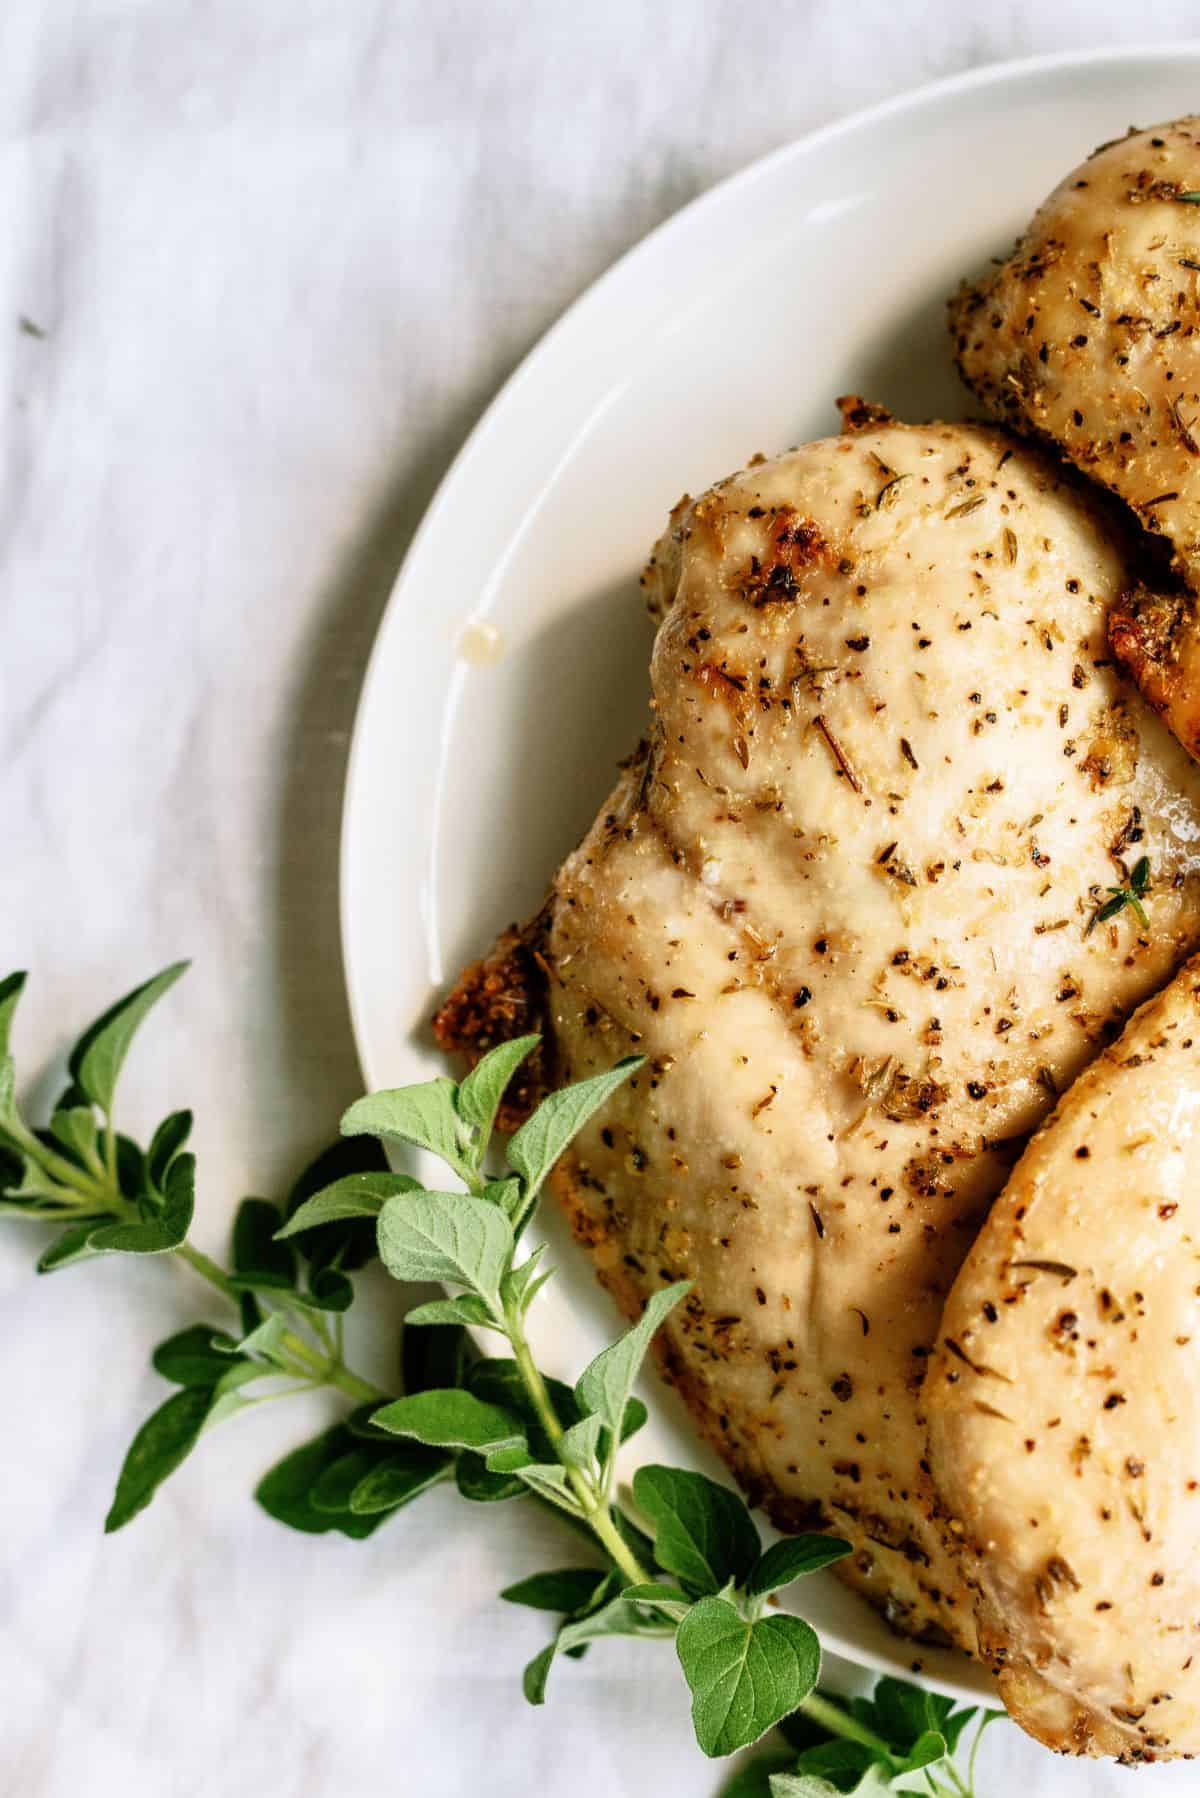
821	1710
595	1509
203	1265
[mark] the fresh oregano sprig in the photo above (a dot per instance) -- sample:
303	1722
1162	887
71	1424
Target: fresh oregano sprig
684	1563
1130	895
904	1739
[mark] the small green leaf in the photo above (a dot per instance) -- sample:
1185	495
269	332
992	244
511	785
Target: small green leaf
450	1419
793	1559
447	1237
73	1245
265	1340
703	1532
533	1680
481	1487
580	1444
549	1481
434	1357
165	1144
424	1116
506	1193
334	1486
97	1058
75	1129
11	988
673	1600
163	1442
521	1284
1139	880
926	1751
743	1676
355	1195
616	1618
604	1387
284	1492
468	1309
408	1470
480	1094
260	1260
191	1357
508	1460
754	1780
566	1590
538	1144
160	1234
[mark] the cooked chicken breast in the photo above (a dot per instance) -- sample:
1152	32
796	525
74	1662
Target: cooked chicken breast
1088	336
1064	1404
841	901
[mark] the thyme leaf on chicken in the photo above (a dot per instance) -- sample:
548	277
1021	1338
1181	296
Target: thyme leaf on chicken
1130	895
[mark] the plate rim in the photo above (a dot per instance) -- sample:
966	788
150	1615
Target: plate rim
356	808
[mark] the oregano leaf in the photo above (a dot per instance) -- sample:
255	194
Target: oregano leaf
354	1195
703	1532
96	1060
538	1144
451	1238
794	1558
604	1387
480	1094
163	1442
450	1418
743	1676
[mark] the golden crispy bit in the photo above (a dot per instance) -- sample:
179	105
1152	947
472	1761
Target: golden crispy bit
495	999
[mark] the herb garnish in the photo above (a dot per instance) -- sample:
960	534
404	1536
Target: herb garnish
1131	896
905	1741
687	1565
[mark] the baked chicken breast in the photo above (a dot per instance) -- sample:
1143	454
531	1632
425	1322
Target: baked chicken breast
1089	337
1064	1405
841	899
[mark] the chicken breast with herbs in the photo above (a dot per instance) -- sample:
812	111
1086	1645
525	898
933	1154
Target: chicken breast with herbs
840	900
1089	336
1064	1404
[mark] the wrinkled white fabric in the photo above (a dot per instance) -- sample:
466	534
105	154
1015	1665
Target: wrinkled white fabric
280	255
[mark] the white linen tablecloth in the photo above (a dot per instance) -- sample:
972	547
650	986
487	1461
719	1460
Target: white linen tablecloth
277	255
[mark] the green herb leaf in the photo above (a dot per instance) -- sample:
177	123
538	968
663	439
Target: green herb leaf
480	1094
793	1559
580	1444
97	1058
616	1618
409	1470
481	1487
538	1144
11	988
743	1676
468	1309
521	1284
157	1235
549	1480
354	1195
447	1237
74	1127
284	1492
424	1116
334	1486
73	1245
450	1419
672	1600
434	1357
566	1590
604	1387
927	1751
163	1442
259	1260
703	1532
165	1144
192	1357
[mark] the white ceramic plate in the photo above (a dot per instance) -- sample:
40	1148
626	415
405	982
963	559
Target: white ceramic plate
821	270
